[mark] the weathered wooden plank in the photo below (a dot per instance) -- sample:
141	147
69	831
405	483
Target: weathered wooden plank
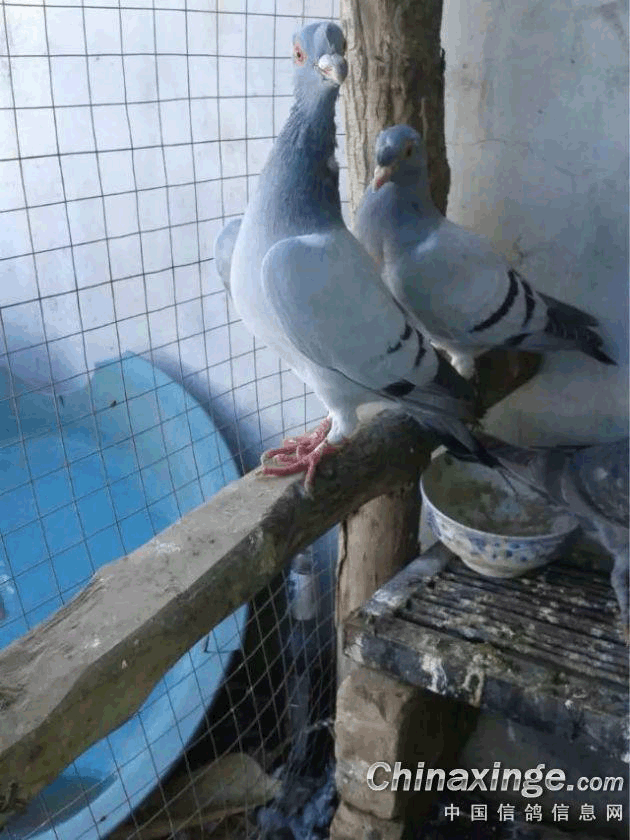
541	650
513	687
87	669
552	617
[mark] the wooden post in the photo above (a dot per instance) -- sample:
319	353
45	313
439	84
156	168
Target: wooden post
375	542
395	75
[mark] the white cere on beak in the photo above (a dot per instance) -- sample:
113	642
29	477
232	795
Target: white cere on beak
333	67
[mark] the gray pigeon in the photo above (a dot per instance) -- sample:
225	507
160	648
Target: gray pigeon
223	249
304	285
592	483
451	280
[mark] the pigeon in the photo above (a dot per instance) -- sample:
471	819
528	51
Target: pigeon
223	248
451	280
305	287
591	482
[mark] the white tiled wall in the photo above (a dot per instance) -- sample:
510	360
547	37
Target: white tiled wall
128	134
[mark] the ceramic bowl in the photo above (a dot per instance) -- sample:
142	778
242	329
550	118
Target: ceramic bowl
494	530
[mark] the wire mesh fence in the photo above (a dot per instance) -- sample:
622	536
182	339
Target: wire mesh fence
130	392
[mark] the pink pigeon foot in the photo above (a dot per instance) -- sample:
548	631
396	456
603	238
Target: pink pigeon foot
293	448
299	454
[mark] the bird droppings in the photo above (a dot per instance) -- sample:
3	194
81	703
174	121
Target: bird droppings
167	547
433	665
474	683
549	615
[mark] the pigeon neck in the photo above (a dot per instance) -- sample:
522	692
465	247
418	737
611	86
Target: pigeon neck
418	195
303	165
412	216
315	107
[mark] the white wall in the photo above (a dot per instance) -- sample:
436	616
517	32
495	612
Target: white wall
537	126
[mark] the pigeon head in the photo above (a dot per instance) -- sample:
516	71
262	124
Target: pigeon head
400	157
318	59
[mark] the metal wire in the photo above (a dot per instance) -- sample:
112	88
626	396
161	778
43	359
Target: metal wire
129	133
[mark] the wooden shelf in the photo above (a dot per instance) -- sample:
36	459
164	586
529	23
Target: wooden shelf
544	650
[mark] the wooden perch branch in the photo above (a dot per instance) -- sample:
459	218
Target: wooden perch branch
139	614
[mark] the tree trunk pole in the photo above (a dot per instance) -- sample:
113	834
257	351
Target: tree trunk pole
395	75
375	542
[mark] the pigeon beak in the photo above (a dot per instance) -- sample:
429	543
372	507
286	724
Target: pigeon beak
333	67
382	175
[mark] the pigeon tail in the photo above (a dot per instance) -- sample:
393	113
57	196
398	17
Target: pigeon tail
590	344
472	451
448	395
570	324
456	437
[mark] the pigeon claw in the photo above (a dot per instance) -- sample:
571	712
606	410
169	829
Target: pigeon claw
305	463
299	454
296	447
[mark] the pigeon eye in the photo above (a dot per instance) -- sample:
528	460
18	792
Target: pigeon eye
299	55
408	151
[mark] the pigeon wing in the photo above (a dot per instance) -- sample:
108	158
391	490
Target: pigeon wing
223	250
470	293
325	295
